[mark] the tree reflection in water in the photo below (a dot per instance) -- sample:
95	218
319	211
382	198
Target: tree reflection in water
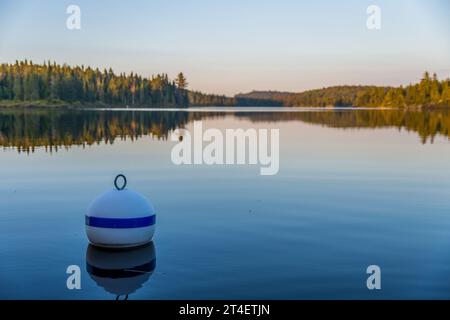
26	129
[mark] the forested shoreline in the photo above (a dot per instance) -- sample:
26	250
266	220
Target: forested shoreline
27	84
428	92
59	84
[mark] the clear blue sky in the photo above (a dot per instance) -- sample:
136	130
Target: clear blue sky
237	45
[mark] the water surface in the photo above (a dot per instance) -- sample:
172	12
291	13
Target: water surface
355	188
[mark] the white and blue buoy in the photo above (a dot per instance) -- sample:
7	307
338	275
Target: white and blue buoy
120	218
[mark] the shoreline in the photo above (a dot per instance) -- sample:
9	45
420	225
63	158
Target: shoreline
42	104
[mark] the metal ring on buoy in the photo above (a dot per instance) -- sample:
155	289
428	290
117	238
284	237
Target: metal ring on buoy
124	182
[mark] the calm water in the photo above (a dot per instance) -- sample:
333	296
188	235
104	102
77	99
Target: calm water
355	188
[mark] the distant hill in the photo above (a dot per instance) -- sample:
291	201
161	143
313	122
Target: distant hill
264	95
430	91
331	96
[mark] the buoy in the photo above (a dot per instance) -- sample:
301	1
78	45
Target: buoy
121	272
120	218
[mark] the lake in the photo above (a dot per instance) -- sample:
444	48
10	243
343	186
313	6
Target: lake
354	188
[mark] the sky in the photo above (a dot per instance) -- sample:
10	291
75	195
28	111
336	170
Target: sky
234	46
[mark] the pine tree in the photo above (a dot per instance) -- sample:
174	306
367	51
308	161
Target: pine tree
181	81
445	97
18	88
435	94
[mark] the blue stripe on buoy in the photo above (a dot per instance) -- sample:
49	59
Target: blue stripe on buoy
120	223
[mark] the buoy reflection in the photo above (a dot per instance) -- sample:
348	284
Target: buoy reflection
121	272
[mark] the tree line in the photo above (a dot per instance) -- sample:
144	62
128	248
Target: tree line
53	83
428	92
25	81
